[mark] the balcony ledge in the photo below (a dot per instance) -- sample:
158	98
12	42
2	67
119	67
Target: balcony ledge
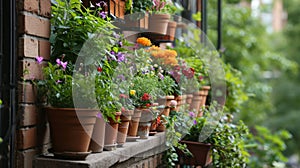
138	150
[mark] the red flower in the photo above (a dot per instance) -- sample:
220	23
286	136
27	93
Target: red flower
201	78
99	69
148	105
123	96
146	97
158	120
192	69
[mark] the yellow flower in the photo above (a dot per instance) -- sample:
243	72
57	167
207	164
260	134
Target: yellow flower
144	41
132	92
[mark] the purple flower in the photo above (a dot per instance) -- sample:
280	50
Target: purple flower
64	64
112	53
120	44
99	115
121	57
192	114
58	81
102	2
195	122
102	14
39	59
161	76
98	4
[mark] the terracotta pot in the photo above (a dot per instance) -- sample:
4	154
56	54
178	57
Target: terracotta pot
111	130
189	98
203	93
97	141
144	129
165	100
201	154
134	123
158	23
153	126
68	125
145	123
196	102
123	127
171	30
160	127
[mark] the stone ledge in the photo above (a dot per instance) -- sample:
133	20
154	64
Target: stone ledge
140	149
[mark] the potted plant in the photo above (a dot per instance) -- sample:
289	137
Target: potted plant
65	119
223	146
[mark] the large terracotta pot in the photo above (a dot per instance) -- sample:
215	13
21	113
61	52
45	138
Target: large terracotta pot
196	102
111	131
158	23
71	129
123	126
134	123
201	154
203	94
97	141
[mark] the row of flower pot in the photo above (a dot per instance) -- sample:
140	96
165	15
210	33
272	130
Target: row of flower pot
77	132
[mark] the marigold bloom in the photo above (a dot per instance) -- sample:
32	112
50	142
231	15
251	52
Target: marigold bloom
132	92
144	41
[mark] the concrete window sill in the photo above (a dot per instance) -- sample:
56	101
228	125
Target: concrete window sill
130	150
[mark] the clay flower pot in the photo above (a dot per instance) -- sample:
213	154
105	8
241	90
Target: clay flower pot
158	23
134	123
123	126
201	154
71	129
145	123
97	141
171	30
111	131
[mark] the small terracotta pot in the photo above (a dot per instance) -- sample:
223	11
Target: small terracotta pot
134	123
97	141
153	125
144	129
160	127
111	130
204	93
189	98
158	23
123	126
171	30
196	102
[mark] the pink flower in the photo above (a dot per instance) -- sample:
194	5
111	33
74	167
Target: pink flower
192	114
173	103
64	64
99	115
39	59
58	61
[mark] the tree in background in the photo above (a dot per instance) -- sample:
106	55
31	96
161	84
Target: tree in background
249	51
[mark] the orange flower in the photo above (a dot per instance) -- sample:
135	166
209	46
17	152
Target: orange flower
144	41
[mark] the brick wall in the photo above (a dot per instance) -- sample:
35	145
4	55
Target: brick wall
34	31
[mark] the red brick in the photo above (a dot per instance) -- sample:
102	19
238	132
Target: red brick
35	25
45	8
28	47
44	49
29	5
27	138
29	115
27	93
30	69
24	158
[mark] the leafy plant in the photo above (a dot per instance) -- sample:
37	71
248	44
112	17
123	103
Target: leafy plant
71	25
267	147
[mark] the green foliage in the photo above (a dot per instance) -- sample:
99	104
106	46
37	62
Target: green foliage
227	139
142	6
267	147
57	87
71	25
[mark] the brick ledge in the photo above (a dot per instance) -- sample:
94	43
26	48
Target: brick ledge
140	149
